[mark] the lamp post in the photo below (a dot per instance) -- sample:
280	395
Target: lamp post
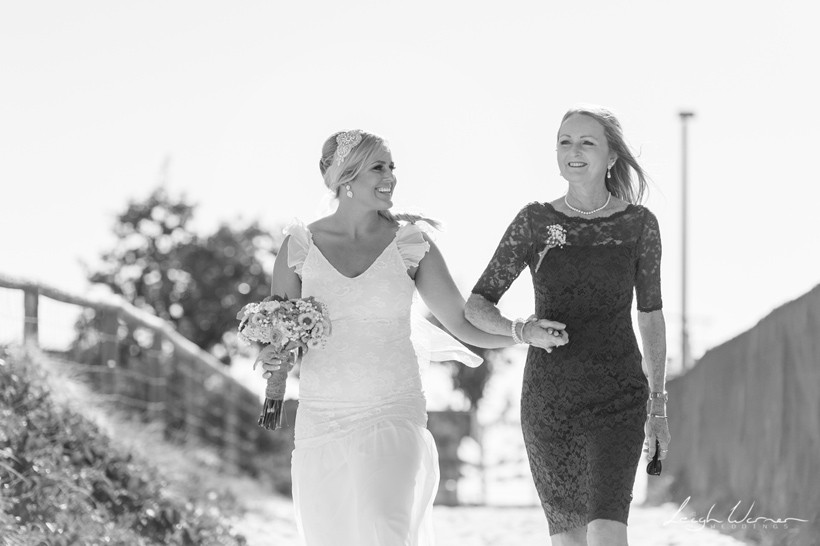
684	117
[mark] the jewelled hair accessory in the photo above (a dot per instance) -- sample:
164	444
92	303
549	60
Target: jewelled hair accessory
345	142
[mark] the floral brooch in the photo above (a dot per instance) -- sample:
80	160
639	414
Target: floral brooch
556	237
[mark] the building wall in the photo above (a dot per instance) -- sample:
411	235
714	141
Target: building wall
745	424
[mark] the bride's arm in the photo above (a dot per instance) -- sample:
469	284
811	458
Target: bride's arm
285	284
543	333
442	297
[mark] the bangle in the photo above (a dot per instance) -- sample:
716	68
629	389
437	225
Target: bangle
515	336
661	394
513	329
656	416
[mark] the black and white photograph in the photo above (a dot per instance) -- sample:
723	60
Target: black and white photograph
381	273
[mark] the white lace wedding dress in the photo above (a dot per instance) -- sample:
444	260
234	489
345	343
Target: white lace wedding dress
365	467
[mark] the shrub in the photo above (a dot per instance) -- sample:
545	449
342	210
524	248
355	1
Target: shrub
63	482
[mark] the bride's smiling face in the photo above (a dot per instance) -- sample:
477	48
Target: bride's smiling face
375	182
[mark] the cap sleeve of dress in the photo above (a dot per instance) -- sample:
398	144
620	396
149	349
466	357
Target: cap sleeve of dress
298	245
411	244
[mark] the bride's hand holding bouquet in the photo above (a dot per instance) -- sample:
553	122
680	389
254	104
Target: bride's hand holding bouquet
288	329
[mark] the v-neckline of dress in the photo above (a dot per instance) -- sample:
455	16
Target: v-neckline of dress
336	270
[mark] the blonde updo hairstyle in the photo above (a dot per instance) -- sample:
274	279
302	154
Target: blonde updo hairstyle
336	176
621	185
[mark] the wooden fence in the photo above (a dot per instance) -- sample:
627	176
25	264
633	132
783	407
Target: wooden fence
165	376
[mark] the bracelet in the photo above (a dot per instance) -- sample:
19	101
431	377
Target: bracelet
656	416
662	394
515	336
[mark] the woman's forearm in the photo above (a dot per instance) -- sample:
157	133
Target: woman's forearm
442	297
468	333
486	316
653	335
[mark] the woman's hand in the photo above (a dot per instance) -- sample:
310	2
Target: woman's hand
656	428
546	334
273	357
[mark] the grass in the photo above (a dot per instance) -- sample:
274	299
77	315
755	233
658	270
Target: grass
72	472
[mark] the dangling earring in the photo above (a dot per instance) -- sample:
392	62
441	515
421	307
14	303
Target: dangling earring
349	193
609	172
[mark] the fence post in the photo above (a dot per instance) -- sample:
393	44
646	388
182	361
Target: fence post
232	425
157	386
31	303
478	435
173	406
109	347
183	364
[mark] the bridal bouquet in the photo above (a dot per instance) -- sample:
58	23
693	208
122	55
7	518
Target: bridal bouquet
290	325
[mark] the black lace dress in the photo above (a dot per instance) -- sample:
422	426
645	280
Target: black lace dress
583	406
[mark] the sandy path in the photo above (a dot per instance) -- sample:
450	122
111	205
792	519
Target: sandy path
270	521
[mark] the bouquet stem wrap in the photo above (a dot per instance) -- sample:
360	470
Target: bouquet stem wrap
273	412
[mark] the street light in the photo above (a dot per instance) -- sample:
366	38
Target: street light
684	117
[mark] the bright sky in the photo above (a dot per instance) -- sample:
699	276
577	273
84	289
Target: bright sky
241	96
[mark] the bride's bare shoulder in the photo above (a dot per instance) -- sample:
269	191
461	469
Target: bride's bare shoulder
322	226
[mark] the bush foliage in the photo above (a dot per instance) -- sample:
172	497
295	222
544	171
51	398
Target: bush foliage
196	282
64	482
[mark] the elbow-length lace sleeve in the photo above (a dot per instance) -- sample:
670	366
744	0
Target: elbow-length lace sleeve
648	269
511	256
298	245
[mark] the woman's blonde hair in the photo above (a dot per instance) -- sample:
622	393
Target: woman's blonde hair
335	175
621	184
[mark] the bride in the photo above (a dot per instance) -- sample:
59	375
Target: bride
365	467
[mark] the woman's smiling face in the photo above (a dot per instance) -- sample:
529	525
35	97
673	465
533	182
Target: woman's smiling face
583	151
375	182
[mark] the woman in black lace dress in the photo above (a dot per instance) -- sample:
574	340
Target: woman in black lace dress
586	406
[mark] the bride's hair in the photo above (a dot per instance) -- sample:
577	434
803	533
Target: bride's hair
355	160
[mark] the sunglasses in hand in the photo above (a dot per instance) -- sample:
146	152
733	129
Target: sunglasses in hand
654	467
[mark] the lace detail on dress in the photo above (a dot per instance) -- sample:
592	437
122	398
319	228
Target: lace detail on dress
412	245
513	253
648	275
368	369
360	429
634	228
583	405
298	245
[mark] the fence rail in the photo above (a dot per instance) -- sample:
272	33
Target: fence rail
171	380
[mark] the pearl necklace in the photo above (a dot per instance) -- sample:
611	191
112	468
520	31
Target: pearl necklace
579	211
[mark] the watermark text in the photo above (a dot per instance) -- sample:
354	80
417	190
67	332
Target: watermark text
736	519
